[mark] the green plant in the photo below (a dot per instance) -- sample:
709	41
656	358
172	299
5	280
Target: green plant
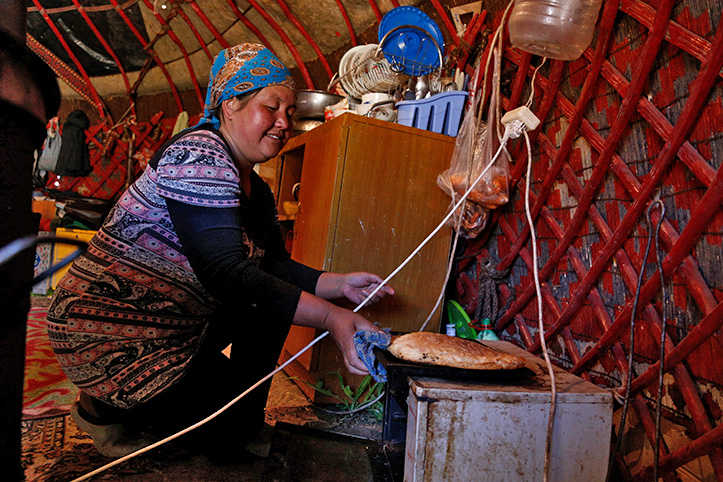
355	400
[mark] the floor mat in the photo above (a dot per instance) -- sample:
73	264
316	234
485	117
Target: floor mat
47	391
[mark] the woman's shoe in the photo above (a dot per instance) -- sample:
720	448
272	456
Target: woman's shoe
112	440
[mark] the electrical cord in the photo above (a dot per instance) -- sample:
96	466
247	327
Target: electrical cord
663	329
629	380
532	83
538	290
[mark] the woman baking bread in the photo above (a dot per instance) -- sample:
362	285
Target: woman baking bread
190	260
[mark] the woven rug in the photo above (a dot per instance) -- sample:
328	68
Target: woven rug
47	391
55	450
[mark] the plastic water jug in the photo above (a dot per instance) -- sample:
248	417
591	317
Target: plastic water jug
557	29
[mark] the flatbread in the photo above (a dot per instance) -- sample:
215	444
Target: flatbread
449	351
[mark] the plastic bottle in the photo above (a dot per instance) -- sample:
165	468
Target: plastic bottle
557	29
487	333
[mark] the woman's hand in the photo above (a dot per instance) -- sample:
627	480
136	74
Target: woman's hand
342	324
359	285
355	287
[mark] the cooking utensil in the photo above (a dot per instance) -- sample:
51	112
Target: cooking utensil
310	103
421	88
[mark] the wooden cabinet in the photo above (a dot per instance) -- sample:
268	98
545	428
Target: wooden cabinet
62	251
368	197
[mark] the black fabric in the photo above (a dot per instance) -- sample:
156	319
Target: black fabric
20	134
74	158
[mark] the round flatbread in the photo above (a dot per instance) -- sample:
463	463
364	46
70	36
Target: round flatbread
450	351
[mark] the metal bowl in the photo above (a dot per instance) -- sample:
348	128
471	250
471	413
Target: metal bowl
310	103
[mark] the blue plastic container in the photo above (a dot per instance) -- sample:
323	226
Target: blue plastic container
441	113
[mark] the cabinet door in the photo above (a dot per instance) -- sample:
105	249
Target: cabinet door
317	198
389	202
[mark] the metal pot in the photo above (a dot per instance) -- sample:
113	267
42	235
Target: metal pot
310	103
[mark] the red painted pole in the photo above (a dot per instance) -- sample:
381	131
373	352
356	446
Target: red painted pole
249	25
648	56
707	208
96	98
108	49
216	34
447	22
177	9
375	8
348	22
150	51
172	35
292	18
287	41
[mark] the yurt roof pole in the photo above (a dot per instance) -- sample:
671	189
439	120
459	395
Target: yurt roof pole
375	9
61	69
292	18
249	25
150	51
216	34
447	22
108	49
177	9
172	35
349	26
96	99
287	41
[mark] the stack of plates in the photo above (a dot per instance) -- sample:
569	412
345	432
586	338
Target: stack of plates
360	73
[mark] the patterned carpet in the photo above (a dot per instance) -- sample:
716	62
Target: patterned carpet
47	390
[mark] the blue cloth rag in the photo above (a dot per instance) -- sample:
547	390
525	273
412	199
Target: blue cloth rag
364	342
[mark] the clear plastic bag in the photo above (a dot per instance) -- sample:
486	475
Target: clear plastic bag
474	149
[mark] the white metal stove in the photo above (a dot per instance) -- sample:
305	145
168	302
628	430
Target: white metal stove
478	431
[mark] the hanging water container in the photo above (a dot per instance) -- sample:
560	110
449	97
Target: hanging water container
557	29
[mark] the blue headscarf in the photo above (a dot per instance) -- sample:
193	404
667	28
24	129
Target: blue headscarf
241	69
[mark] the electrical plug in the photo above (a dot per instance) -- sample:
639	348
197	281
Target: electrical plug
517	120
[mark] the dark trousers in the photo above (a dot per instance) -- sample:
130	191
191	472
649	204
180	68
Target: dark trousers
213	380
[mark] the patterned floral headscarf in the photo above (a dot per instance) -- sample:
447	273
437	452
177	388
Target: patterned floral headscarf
240	69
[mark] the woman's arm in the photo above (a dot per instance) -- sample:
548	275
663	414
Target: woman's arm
212	240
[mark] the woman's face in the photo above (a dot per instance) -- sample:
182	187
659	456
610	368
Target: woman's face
259	129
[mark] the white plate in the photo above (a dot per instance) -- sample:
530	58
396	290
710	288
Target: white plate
345	67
